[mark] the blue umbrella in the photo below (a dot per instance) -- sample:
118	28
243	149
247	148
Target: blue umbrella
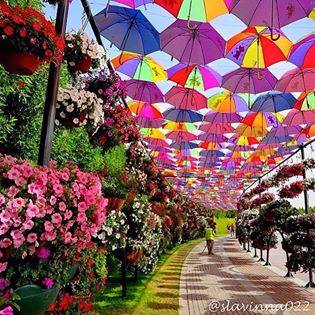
128	30
184	145
273	102
182	115
211	153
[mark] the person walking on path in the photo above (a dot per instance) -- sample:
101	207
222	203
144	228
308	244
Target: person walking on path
210	234
232	229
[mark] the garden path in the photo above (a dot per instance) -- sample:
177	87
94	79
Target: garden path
233	275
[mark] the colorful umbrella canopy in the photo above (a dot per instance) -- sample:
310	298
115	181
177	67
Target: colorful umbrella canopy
194	76
250	131
227	102
152	133
128	29
263	119
297	80
180	126
306	101
185	98
139	67
143	91
255	48
302	53
145	110
134	3
309	131
197	10
199	44
272	13
245	80
274	102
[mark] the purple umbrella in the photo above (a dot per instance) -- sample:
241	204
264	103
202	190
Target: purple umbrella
134	3
285	130
272	13
143	91
211	137
149	122
199	44
184	145
222	118
246	80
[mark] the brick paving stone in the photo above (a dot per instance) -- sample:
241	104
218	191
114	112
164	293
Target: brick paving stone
230	277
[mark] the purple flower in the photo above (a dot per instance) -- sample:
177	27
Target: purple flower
43	253
3	283
48	283
7	311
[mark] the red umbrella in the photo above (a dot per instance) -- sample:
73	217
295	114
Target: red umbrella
185	98
181	136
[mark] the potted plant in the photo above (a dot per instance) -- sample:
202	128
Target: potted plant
82	53
76	108
27	40
115	192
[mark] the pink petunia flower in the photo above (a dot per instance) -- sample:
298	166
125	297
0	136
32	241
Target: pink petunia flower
48	282
43	253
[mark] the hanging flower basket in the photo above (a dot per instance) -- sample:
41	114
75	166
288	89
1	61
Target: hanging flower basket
131	196
27	40
82	53
19	62
134	256
159	208
115	203
82	65
76	108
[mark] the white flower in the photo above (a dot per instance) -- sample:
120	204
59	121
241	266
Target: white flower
118	236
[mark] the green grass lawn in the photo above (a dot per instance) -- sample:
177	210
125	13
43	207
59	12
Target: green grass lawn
156	293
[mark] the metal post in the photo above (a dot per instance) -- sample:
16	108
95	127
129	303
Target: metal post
261	258
123	272
48	123
310	283
255	253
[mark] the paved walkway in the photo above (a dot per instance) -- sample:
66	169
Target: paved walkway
231	282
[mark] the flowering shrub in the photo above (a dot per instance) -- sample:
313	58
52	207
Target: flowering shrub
144	234
119	127
114	230
48	216
292	190
27	30
263	199
81	53
106	85
77	108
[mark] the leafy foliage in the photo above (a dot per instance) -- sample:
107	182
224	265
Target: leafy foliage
115	160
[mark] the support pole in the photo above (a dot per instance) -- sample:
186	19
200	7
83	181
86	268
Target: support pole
261	258
48	124
255	253
123	272
310	283
248	246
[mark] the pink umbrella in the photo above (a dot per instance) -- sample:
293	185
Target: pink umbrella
149	122
216	128
222	118
185	98
181	136
143	91
134	3
297	80
296	117
248	80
